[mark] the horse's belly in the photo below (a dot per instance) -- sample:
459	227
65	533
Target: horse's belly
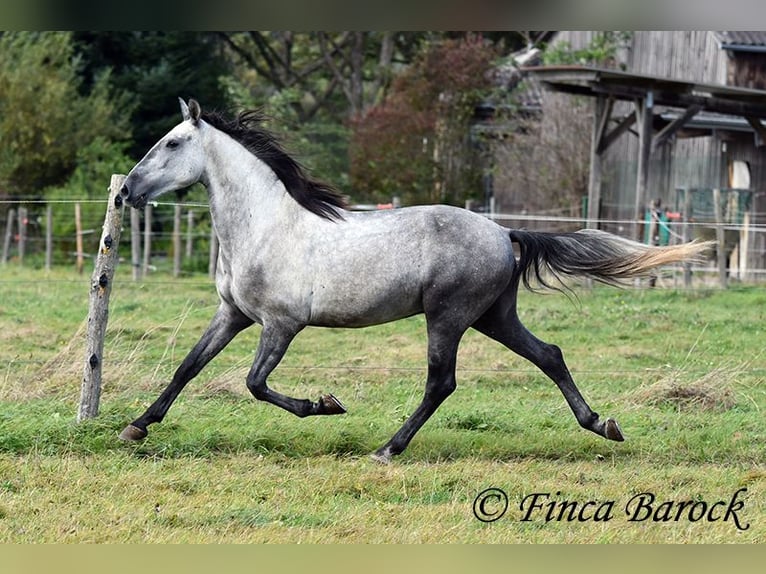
360	304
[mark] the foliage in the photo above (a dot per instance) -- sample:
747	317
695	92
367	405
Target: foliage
96	162
311	83
415	144
544	165
156	68
44	119
320	143
338	74
600	51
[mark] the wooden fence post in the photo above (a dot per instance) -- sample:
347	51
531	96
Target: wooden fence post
100	289
79	256
23	220
687	234
48	237
135	243
189	233
212	263
147	239
8	235
177	240
720	233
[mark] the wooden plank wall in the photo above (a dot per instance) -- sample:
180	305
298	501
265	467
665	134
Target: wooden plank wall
694	162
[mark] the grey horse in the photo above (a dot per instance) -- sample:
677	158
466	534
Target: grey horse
291	256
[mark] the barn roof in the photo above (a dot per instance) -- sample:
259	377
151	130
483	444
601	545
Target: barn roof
742	41
591	81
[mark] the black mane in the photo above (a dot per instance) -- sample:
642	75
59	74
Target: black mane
246	128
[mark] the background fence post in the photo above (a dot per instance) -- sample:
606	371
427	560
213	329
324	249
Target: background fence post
147	238
687	234
98	314
23	220
189	233
135	243
48	237
177	240
720	233
79	256
8	234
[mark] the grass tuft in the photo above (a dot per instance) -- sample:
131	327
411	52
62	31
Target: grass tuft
713	391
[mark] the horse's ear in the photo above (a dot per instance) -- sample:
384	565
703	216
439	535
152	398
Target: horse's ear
184	109
191	112
194	111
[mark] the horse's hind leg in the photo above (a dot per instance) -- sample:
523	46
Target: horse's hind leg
271	348
502	323
442	358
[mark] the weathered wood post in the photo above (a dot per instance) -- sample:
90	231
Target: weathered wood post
8	235
177	240
189	233
135	243
687	234
23	221
48	237
720	233
148	210
100	289
79	256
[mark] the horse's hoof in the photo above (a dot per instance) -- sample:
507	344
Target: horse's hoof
331	405
612	430
381	458
132	433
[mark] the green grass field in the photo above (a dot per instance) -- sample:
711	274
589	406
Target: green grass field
683	372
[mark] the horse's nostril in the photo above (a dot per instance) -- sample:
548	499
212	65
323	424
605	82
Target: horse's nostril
124	191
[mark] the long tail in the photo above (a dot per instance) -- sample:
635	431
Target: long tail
591	253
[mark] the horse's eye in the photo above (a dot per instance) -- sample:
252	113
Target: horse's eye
172	144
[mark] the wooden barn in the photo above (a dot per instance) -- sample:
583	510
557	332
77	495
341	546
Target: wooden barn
678	126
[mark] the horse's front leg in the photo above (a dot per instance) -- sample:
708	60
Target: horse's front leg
271	348
226	323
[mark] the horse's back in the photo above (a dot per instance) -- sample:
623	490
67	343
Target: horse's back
381	266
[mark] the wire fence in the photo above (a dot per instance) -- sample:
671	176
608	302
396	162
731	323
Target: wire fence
173	239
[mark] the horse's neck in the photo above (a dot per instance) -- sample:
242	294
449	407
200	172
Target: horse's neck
246	198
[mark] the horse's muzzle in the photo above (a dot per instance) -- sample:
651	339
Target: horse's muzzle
135	202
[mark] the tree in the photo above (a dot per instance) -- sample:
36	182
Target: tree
341	73
157	68
44	117
416	144
96	161
311	83
545	162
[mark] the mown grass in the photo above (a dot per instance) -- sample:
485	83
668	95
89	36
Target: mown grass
683	372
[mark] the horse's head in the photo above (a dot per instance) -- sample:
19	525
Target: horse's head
175	162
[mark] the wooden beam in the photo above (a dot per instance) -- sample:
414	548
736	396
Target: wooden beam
602	114
645	109
760	130
623	126
600	118
667	132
